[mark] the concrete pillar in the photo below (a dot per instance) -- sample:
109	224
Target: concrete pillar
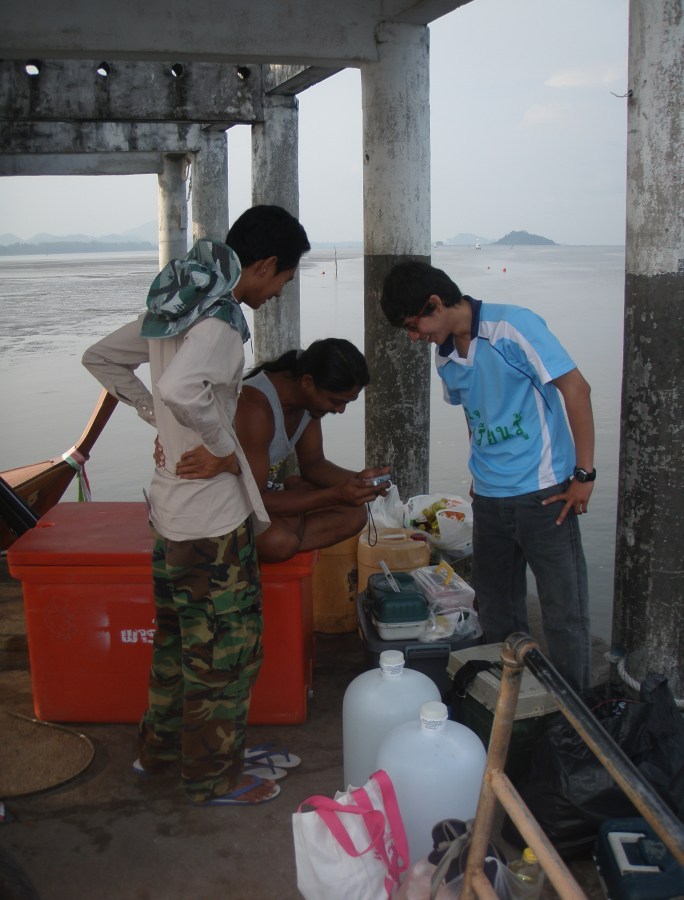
172	208
396	221
209	192
275	181
649	570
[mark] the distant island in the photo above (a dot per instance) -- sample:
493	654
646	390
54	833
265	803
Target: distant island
50	247
145	237
514	238
466	239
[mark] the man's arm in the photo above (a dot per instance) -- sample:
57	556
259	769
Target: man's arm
255	428
313	465
113	361
576	396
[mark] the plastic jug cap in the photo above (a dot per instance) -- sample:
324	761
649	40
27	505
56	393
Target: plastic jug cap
529	855
392	662
433	715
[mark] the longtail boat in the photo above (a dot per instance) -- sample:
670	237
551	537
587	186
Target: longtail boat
41	485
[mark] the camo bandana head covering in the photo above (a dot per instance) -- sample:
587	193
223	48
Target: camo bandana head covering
198	286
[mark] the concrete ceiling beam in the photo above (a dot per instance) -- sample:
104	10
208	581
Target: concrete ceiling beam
321	33
119	91
293	79
100	138
50	163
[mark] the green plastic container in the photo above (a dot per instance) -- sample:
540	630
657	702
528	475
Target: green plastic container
394	608
401	615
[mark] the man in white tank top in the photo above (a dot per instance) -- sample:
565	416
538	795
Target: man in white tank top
279	412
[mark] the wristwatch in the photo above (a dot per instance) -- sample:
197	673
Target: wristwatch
582	475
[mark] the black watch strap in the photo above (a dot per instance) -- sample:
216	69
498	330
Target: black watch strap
582	475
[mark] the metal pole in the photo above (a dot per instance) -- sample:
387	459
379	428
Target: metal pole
649	803
496	786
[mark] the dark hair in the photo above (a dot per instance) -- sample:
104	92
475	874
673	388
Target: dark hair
264	231
334	364
408	286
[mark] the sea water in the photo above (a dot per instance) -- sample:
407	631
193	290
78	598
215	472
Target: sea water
53	307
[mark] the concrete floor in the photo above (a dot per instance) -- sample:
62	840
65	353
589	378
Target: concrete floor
113	835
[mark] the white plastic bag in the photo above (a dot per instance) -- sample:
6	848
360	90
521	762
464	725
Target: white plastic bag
455	533
388	511
463	622
353	846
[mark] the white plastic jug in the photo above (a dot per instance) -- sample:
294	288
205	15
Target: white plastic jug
374	703
436	767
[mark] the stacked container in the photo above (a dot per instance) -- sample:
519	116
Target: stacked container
374	703
436	767
397	615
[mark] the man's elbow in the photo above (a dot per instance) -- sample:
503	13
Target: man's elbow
574	386
584	388
90	360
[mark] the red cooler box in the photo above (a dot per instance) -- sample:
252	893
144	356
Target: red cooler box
286	676
87	583
86	575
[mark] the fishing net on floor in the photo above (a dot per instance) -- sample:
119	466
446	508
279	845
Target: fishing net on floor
36	756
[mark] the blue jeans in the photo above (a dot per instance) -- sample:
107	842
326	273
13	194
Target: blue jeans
510	533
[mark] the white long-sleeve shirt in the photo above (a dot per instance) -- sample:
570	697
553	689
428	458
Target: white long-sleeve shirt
196	380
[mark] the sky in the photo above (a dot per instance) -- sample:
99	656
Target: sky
528	132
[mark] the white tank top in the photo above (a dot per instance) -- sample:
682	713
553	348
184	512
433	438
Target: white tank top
281	446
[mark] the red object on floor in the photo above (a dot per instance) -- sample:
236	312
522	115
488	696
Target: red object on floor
286	676
86	573
86	577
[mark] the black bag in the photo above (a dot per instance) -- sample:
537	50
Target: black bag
569	792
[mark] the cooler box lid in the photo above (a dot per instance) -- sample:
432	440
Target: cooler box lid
86	534
533	699
390	607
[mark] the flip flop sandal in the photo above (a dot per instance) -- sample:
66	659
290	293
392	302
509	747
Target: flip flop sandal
272	756
268	773
237	797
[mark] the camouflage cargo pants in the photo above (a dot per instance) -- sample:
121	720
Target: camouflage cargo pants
206	657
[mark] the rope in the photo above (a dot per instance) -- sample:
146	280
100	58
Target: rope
77	461
619	659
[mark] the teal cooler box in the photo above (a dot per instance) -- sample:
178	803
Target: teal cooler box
634	864
535	711
394	621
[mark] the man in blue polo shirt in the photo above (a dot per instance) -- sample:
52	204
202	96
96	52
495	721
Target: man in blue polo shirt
531	429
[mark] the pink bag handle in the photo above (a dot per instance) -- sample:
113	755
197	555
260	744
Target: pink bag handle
400	863
374	820
329	810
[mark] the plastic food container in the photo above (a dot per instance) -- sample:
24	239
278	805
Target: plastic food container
409	605
401	631
397	616
443	589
